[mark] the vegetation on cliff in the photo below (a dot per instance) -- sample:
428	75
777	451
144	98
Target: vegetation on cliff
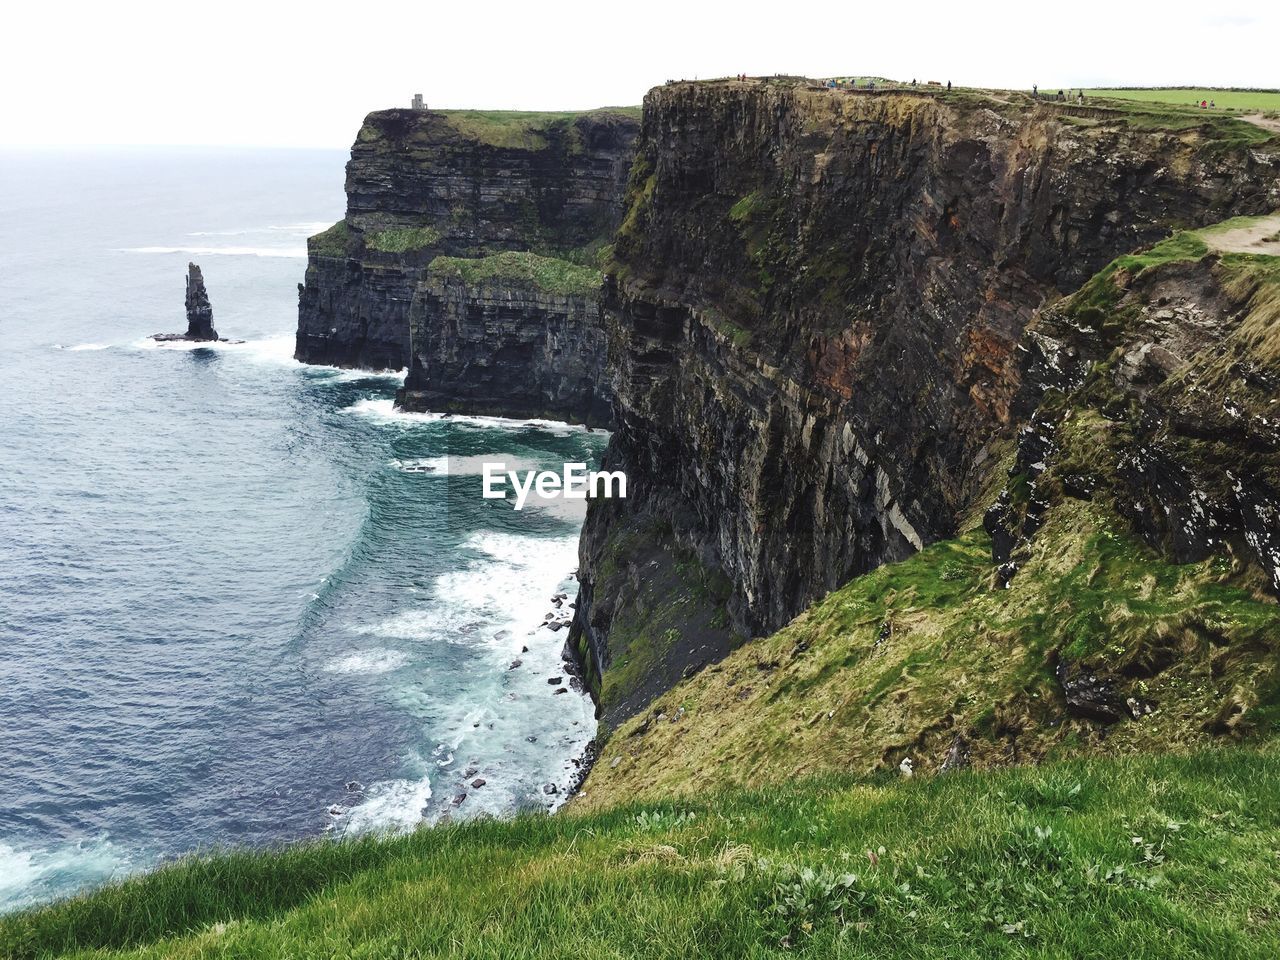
522	129
549	274
1171	856
955	656
330	243
402	240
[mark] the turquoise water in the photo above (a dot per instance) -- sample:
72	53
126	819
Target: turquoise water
241	600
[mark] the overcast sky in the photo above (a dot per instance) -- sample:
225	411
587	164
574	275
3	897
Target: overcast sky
303	74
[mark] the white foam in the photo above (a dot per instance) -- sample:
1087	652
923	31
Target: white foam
390	806
306	229
472	466
276	349
29	876
433	624
375	661
438	466
385	410
81	347
297	252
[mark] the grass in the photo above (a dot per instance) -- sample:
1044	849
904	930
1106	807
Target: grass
331	242
1171	857
520	129
898	661
1246	100
546	273
402	240
1095	301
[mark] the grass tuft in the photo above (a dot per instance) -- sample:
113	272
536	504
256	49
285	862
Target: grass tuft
402	240
1170	856
549	274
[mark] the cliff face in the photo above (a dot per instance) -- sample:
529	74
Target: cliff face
463	184
1130	604
502	337
815	310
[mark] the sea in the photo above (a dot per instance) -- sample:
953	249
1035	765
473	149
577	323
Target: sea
243	601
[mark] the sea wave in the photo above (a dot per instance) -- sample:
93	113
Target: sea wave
375	661
389	806
507	721
296	252
277	349
306	229
37	874
385	410
436	466
451	466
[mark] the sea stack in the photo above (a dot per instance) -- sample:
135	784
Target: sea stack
199	312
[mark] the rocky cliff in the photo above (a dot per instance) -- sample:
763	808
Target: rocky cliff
816	309
199	311
1122	596
423	184
514	335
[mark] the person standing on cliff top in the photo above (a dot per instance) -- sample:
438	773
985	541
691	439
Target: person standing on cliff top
948	86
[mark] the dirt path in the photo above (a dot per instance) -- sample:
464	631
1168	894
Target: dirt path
1260	237
1267	123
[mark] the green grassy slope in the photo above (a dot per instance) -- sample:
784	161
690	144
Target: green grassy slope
1173	856
1248	100
548	274
520	129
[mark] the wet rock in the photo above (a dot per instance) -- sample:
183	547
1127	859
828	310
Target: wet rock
458	798
550	788
958	755
1088	695
478	782
1005	573
354	786
555	625
515	663
561	690
555	680
996	521
1079	485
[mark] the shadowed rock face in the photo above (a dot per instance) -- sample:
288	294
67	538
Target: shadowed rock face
423	184
504	347
199	312
815	317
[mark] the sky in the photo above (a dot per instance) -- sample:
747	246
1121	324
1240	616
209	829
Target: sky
296	74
